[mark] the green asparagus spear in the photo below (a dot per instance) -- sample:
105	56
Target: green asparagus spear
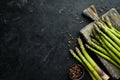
114	32
78	59
111	48
91	68
112	36
92	62
98	47
109	24
102	55
116	47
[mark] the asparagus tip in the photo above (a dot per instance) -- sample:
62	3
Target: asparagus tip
76	48
86	45
71	51
107	18
79	40
89	42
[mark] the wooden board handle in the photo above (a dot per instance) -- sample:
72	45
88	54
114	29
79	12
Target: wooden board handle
91	12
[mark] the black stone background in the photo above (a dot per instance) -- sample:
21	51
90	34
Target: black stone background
33	39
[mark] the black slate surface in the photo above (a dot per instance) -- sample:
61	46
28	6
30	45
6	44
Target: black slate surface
33	36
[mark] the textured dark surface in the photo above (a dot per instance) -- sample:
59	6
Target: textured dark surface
33	38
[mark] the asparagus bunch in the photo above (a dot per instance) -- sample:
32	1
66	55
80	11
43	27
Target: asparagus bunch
105	41
83	57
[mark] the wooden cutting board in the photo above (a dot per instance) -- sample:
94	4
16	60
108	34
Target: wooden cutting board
113	70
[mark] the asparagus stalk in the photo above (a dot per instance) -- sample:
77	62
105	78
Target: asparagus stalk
116	48
91	61
110	27
109	51
111	48
98	47
104	28
91	68
78	59
95	41
105	47
92	76
102	55
94	37
109	24
75	56
114	32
